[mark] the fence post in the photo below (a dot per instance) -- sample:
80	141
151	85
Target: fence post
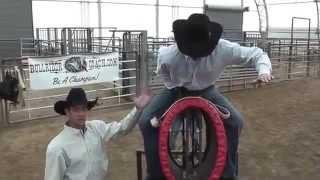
70	41
269	49
64	41
2	120
113	41
290	50
279	49
318	62
244	36
20	46
308	50
308	62
49	40
3	109
139	164
127	49
143	62
89	40
56	41
3	114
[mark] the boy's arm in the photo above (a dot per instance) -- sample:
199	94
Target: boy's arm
113	129
123	127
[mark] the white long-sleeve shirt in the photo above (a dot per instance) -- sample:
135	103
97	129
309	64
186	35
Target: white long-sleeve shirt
177	70
73	155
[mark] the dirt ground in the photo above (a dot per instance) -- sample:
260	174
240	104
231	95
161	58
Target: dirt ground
280	140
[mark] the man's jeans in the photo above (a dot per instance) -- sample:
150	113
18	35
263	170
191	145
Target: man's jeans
161	102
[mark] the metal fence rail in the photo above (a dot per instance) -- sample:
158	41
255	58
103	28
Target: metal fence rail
39	104
291	59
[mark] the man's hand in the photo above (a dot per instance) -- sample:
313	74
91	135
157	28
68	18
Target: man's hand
264	78
143	99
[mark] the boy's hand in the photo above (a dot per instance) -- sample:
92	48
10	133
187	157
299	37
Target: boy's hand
143	99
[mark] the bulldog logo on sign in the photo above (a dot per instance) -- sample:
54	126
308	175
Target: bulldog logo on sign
76	64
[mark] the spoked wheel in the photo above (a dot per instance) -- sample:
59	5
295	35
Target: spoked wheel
192	141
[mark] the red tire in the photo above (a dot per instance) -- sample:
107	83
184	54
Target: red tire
217	124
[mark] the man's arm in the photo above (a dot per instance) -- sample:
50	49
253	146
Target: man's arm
233	53
55	164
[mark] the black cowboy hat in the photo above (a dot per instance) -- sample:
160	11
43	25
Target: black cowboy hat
76	96
197	36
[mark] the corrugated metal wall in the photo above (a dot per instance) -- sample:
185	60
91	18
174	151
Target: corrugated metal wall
230	18
15	22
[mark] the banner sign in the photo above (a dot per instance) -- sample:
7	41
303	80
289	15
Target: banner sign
73	70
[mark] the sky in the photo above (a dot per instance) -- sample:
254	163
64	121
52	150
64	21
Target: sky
139	17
